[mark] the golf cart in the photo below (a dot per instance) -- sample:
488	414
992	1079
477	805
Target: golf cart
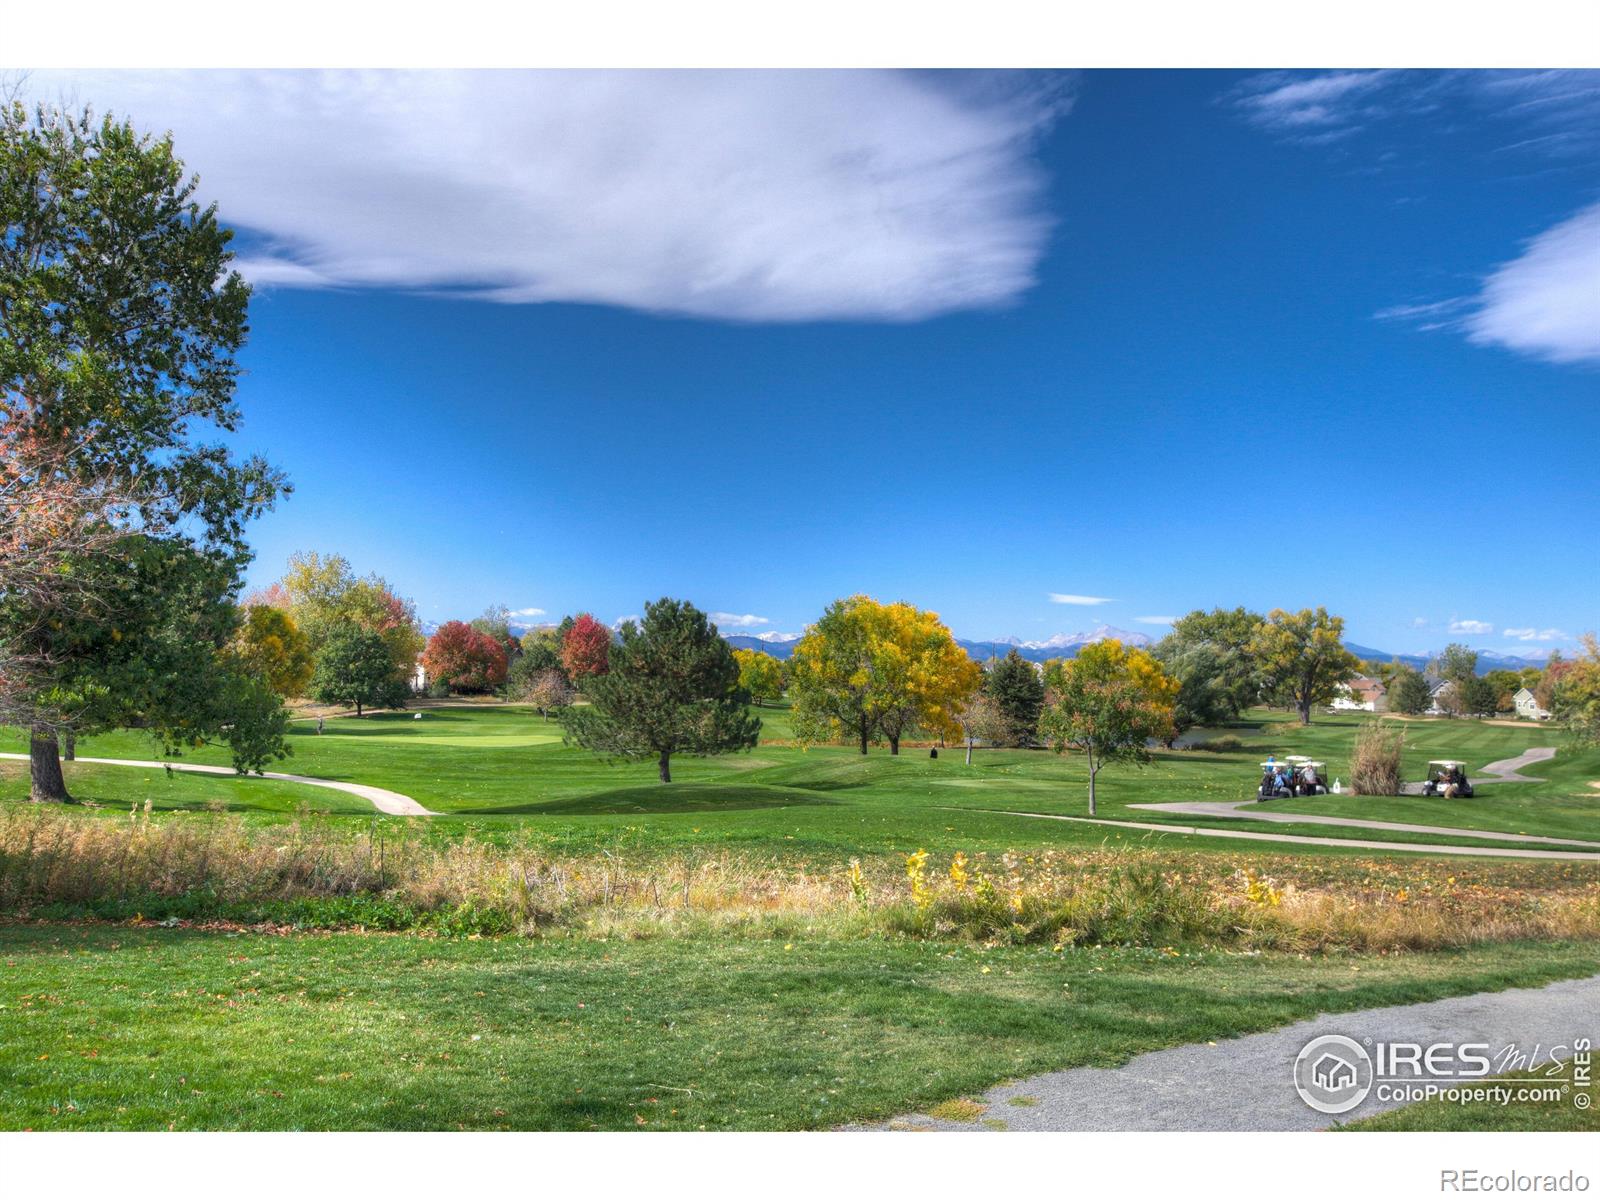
1277	781
1448	778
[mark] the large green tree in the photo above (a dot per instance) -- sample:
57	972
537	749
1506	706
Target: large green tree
672	687
1303	658
1016	687
354	667
120	322
1408	692
1209	654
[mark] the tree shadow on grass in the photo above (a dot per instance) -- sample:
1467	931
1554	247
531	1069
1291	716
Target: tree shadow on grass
662	798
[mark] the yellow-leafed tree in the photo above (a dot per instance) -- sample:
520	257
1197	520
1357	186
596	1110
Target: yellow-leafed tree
760	674
868	669
1108	703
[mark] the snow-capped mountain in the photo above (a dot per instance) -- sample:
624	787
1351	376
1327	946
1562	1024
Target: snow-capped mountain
1062	645
1065	641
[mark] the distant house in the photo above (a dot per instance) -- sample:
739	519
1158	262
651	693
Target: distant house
1439	699
1528	707
1362	694
419	676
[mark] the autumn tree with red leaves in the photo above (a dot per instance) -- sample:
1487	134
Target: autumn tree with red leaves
464	659
586	649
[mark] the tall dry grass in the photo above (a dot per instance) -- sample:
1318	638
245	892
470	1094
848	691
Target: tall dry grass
1375	762
53	864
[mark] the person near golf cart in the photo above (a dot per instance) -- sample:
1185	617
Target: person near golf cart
1447	778
1277	781
1311	781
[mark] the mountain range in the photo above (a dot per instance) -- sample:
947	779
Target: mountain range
1062	645
1067	645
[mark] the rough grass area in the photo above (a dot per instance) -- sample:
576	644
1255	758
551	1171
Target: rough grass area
54	864
145	1028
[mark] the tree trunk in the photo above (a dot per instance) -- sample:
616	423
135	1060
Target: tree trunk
863	734
969	750
1093	771
69	751
666	766
47	785
1305	709
358	708
894	743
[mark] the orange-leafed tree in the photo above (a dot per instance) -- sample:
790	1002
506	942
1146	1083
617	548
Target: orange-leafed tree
586	649
464	659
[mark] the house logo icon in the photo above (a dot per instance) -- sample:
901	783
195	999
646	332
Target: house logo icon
1333	1073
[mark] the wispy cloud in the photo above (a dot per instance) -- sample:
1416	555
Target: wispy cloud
1156	620
737	620
1471	626
1419	622
1301	104
1547	113
527	612
744	195
1069	598
1534	635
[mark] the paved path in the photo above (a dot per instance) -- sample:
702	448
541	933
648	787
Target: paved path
1350	843
1247	1083
1231	808
1505	771
1507	768
382	799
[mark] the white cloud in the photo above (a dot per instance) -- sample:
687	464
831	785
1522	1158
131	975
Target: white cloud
746	195
527	612
1290	103
1547	302
1068	598
737	620
1156	620
621	621
1534	635
1471	627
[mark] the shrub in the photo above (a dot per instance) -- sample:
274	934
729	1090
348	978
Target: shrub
439	689
1375	762
1227	744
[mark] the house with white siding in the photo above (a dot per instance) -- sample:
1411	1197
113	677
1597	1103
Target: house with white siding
1528	706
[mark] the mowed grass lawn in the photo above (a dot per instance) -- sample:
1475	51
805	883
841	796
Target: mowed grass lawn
493	770
145	1028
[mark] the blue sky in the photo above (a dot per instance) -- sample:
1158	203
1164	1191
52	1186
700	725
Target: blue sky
1159	340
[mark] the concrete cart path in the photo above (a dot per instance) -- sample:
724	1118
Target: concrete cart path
382	799
1300	839
1247	1083
1231	808
1507	768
